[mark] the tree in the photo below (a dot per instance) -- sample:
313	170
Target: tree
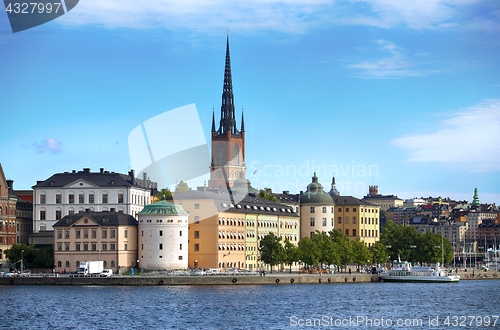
378	253
327	248
343	246
181	187
271	250
163	194
291	254
266	194
32	258
309	252
360	253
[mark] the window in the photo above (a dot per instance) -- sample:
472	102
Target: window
346	219
180	246
112	233
361	220
324	222
91	199
70	212
42	199
59	264
347	232
312	209
180	257
59	247
220	155
104	234
58	198
354	210
94	247
142	246
112	247
71	199
77	247
66	234
312	234
333	222
197	247
66	247
196	206
42	215
104	198
126	247
104	247
43	227
354	232
94	233
81	198
347	209
340	210
59	234
196	234
120	198
312	222
85	247
161	232
58	215
197	219
354	221
66	264
324	209
180	233
339	220
112	263
85	233
161	246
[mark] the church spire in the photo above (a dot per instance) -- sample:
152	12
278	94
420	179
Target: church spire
242	121
213	120
227	122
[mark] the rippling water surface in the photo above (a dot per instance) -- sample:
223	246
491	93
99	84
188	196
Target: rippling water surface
304	306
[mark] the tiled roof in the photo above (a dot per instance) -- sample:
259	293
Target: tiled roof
349	200
102	218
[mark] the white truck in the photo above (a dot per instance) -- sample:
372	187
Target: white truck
89	268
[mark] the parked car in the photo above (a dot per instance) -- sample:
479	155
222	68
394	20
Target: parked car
106	273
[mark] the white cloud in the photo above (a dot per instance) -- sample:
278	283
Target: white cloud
255	15
469	139
48	145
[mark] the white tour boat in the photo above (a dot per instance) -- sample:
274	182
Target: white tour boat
402	271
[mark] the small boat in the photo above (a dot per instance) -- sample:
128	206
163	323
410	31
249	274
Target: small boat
403	271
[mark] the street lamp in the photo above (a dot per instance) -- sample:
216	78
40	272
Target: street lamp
412	247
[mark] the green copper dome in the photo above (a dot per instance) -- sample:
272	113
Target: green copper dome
163	207
475	201
315	194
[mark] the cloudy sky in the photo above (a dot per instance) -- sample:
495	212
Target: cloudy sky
401	94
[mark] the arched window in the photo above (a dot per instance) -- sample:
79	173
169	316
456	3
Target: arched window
59	264
220	155
105	264
112	263
67	264
77	264
236	155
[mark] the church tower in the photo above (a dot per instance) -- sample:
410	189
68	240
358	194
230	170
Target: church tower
228	143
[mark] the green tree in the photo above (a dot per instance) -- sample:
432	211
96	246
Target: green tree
266	194
309	252
271	251
181	187
378	252
343	246
327	248
32	257
291	254
164	194
360	253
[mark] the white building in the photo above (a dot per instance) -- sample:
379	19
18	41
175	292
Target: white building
414	202
163	236
73	192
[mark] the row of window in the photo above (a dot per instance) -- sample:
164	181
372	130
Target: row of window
160	246
58	213
93	233
312	222
231	235
85	246
231	247
366	221
160	233
231	265
81	199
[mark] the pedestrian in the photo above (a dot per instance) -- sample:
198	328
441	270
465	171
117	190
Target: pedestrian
53	270
349	271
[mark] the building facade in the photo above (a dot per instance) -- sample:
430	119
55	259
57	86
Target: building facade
105	236
8	223
384	202
74	192
163	236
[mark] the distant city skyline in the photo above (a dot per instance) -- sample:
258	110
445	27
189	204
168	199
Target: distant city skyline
405	96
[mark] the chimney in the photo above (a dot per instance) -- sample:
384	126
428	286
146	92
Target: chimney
132	176
86	170
74	171
101	170
10	184
145	179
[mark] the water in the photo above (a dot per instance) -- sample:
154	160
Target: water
252	307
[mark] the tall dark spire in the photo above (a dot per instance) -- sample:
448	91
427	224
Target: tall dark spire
213	120
242	121
227	121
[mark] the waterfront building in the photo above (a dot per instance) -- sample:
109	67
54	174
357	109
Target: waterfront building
383	201
228	143
454	232
8	223
357	219
316	210
488	233
73	192
24	221
474	219
163	236
226	234
90	236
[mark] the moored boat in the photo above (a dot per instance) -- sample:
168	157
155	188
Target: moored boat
403	271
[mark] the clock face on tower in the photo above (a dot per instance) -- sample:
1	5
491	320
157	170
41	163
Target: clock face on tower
237	174
219	174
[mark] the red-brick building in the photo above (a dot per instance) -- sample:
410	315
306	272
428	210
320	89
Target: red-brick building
7	220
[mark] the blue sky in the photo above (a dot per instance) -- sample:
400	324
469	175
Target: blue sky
402	94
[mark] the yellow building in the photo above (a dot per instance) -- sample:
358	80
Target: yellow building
223	234
357	219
